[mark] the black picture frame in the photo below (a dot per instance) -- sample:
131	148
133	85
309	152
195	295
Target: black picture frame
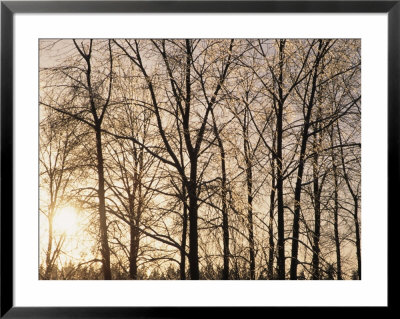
9	8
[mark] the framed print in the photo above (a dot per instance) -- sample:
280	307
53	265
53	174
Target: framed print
161	158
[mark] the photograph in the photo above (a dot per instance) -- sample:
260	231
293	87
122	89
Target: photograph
199	159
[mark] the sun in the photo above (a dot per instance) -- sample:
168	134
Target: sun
66	221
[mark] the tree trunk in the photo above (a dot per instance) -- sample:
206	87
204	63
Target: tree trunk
336	211
250	220
249	183
355	214
358	240
336	223
105	250
271	250
225	221
299	180
279	172
317	215
193	234
134	247
135	210
49	263
296	217
182	269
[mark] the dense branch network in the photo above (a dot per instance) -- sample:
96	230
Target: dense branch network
201	158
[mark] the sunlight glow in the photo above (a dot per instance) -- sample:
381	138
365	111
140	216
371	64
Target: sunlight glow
66	221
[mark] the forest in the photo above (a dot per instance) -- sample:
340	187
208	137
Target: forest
200	159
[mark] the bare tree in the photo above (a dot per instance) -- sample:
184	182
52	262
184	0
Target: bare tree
182	103
57	144
88	99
